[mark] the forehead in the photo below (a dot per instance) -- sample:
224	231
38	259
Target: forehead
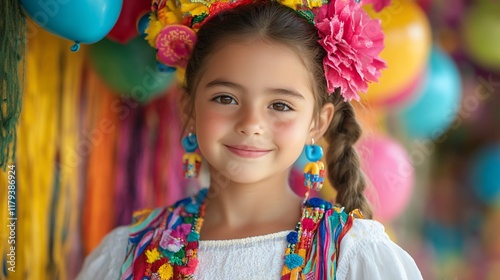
258	63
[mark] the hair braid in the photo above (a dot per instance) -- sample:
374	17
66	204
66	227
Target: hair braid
343	163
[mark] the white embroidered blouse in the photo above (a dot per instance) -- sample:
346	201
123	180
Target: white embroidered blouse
366	252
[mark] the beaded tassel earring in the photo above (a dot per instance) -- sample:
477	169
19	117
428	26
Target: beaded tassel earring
314	171
191	161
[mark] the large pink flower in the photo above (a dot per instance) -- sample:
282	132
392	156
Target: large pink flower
353	42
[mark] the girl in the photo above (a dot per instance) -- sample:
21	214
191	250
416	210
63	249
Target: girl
263	80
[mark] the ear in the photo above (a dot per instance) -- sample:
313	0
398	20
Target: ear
322	121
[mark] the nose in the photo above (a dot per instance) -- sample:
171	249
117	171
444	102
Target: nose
250	121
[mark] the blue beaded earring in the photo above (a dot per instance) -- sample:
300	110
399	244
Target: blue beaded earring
191	161
314	171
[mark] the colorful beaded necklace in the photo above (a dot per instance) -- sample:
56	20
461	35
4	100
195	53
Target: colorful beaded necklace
167	243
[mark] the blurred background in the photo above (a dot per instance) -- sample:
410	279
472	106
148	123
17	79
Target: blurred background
91	129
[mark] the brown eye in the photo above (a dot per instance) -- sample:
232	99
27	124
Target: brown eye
224	99
279	106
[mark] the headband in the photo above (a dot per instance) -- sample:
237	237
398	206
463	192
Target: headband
351	38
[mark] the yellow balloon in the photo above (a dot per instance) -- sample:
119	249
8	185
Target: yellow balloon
327	192
407	47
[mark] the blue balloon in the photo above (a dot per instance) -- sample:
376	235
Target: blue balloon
436	106
484	174
301	162
82	21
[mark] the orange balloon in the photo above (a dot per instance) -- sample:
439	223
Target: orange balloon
371	119
407	47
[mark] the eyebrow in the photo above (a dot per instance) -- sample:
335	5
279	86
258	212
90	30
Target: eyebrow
278	91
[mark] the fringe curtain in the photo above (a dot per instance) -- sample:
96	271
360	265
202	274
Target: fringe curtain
81	148
67	208
12	55
98	143
46	175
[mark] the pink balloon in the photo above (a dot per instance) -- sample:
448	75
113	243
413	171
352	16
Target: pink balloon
296	181
390	176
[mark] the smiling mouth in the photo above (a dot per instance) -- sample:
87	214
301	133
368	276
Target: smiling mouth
247	151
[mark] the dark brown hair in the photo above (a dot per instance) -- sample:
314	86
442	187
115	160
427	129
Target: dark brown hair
277	23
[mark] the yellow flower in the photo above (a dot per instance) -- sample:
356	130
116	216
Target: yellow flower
316	3
166	271
181	72
169	17
298	3
152	255
152	31
194	9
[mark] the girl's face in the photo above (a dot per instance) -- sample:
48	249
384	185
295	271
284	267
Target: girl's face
253	110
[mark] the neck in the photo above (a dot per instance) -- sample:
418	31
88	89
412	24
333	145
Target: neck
269	205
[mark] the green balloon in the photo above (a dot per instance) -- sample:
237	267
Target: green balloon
130	69
481	31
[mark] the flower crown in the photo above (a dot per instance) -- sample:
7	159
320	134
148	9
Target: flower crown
350	37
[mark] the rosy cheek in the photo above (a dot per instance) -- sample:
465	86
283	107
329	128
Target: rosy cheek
288	127
212	120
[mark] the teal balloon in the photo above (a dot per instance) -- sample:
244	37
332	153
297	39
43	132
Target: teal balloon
82	21
436	106
130	69
484	174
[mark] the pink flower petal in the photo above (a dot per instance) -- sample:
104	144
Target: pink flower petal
353	42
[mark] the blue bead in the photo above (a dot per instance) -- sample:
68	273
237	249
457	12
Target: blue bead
190	143
314	152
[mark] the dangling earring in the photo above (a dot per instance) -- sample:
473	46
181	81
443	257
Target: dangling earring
314	171
191	162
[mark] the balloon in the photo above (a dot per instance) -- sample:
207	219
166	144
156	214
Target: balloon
125	28
328	192
371	119
446	239
407	46
296	181
130	69
82	21
390	175
482	33
484	174
435	108
301	162
408	93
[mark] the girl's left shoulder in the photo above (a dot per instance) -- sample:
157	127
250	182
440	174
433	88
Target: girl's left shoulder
367	252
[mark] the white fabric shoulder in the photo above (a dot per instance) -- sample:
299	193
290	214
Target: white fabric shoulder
252	258
105	261
366	252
